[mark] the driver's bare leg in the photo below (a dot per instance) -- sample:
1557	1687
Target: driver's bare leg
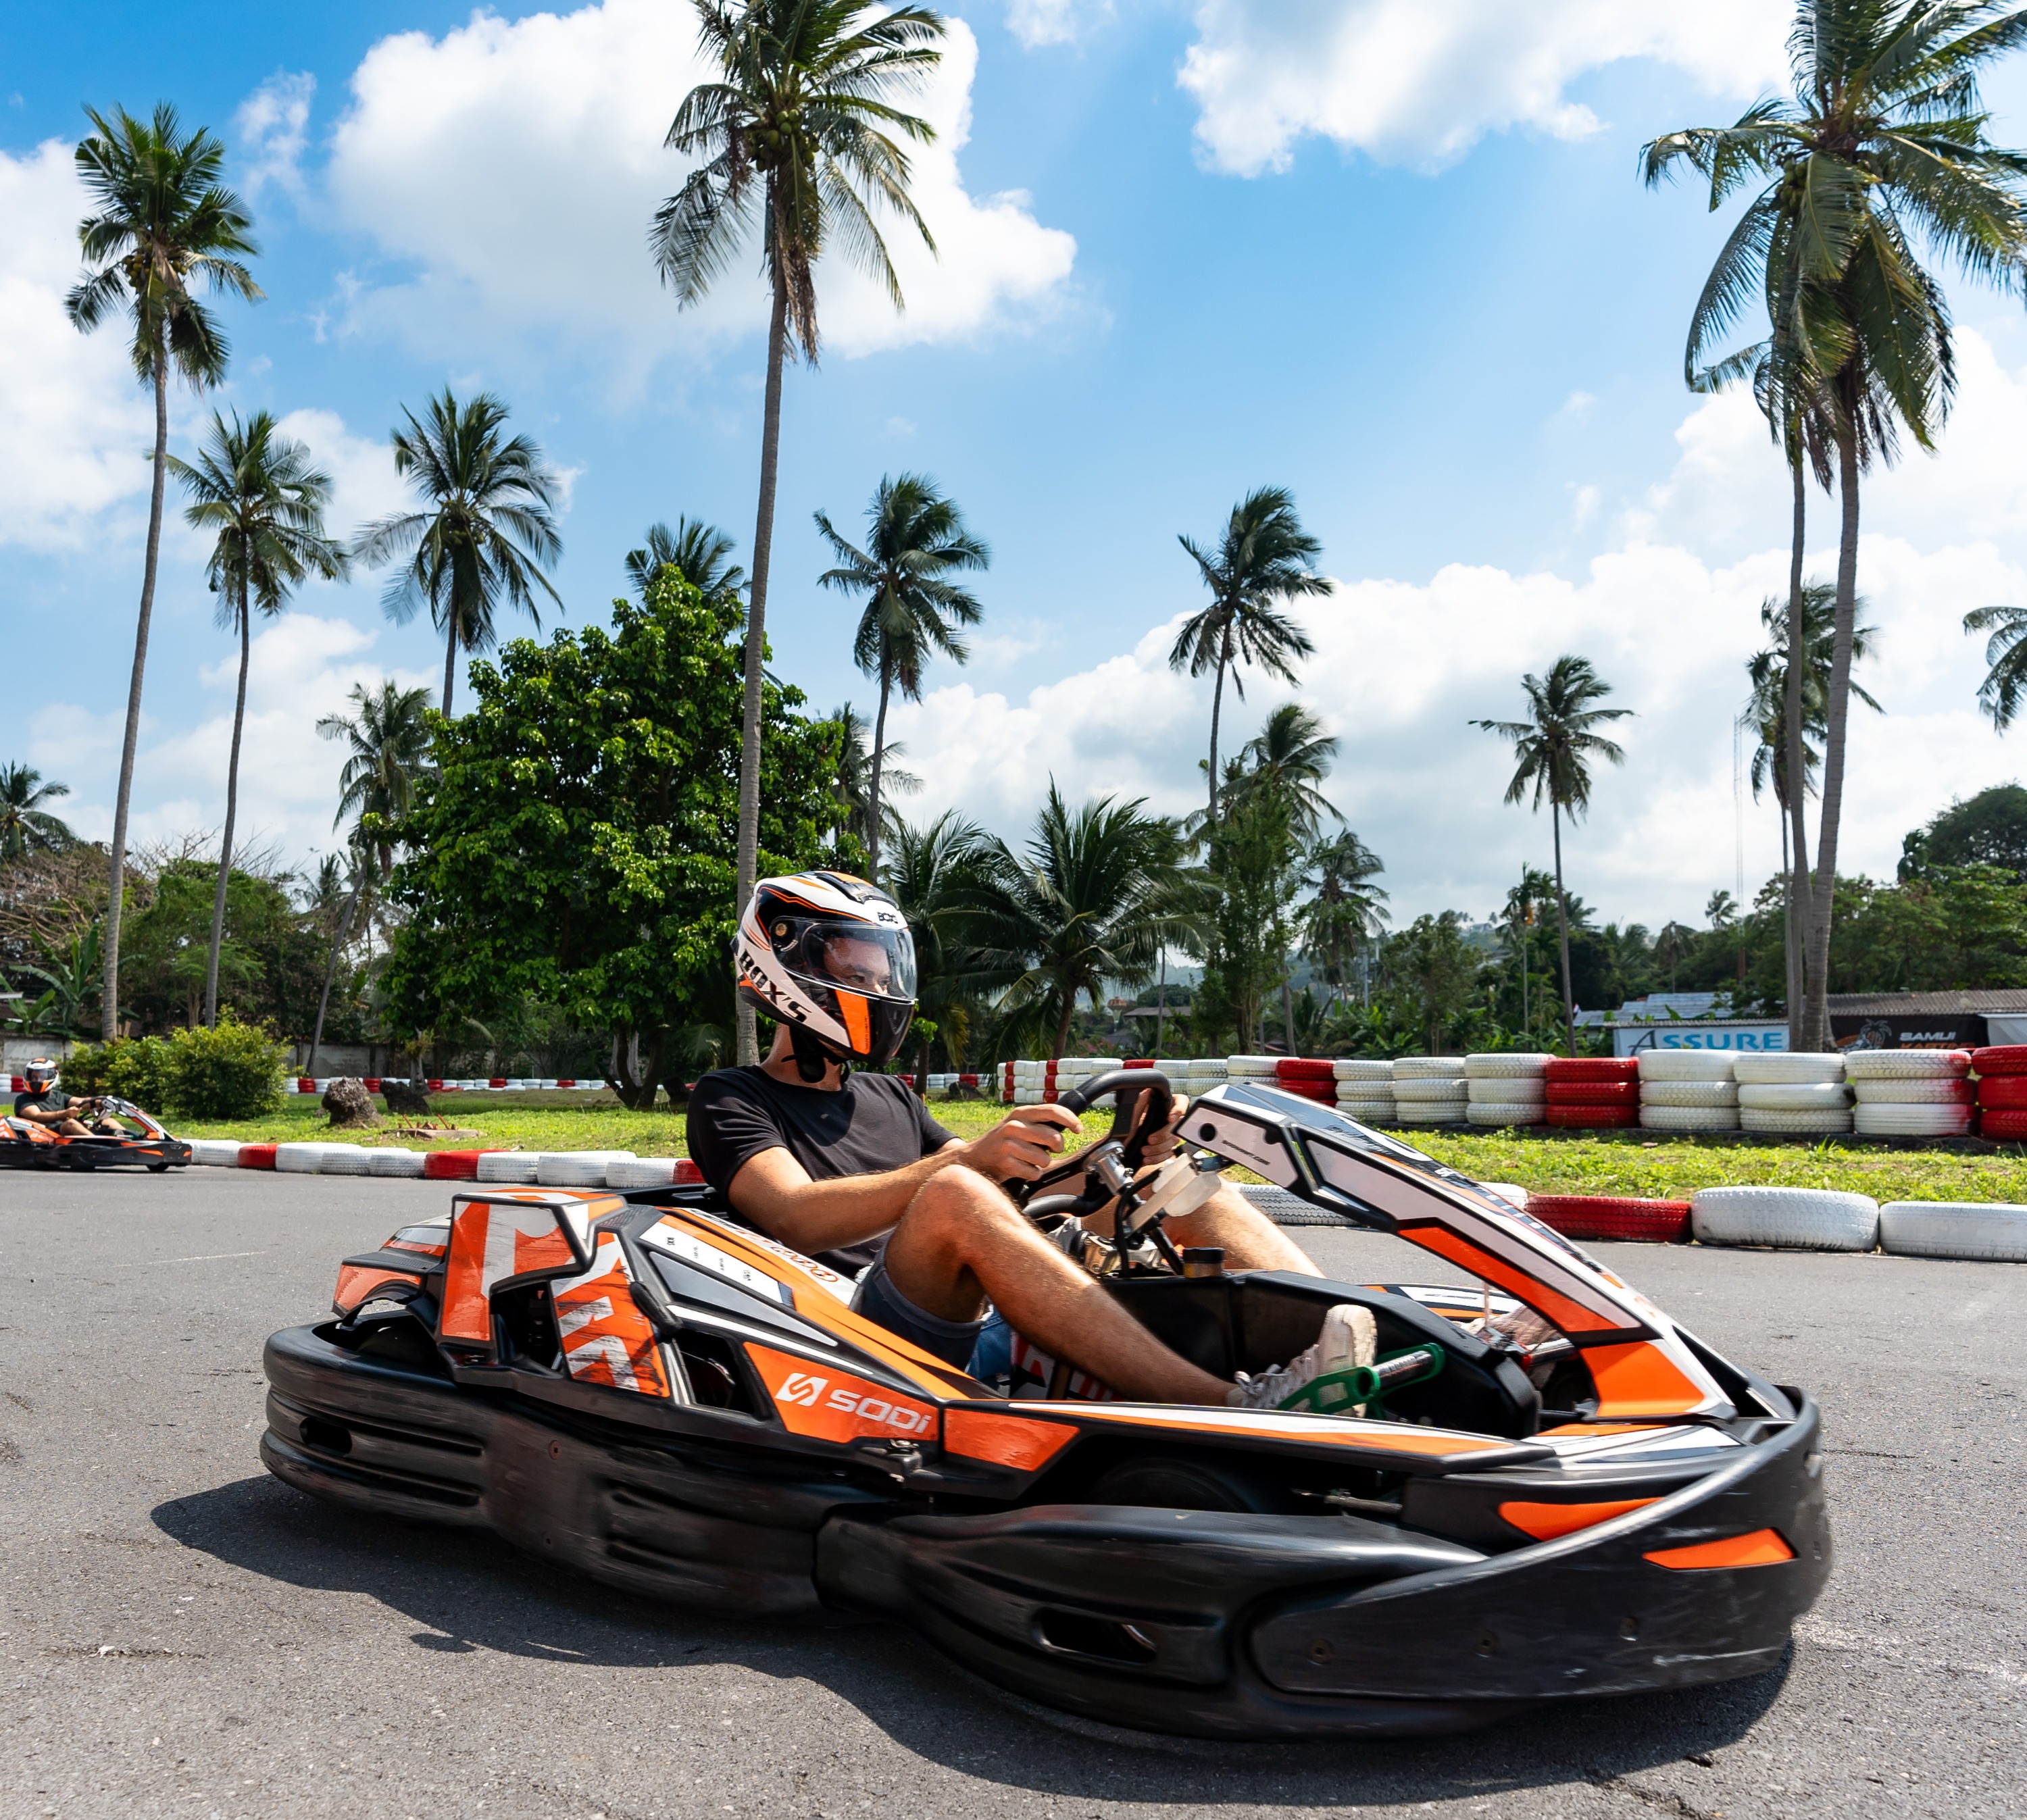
961	1243
71	1128
1251	1240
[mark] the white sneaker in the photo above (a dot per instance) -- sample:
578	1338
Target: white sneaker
1350	1338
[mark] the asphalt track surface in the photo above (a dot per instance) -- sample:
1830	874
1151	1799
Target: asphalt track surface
183	1635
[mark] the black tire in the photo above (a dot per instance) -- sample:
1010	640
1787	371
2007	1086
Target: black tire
156	1169
1168	1481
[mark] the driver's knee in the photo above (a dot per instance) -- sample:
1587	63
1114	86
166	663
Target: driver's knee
957	1196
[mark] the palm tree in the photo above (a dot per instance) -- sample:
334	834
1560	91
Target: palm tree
1263	556
853	784
796	133
26	826
490	531
1287	759
389	734
1347	909
699	553
917	541
1778	692
1883	144
1552	751
163	220
2005	682
929	872
1093	896
256	491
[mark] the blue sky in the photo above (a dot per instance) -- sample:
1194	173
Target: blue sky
1391	254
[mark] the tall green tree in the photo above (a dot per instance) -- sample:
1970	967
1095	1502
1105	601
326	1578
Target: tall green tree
800	137
2005	684
489	531
1091	896
256	492
930	872
1881	147
1433	972
916	543
1348	909
1989	828
161	222
700	553
26	826
1553	750
854	777
387	737
1263	559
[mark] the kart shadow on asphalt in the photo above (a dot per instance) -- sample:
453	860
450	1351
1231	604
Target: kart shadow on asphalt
469	1591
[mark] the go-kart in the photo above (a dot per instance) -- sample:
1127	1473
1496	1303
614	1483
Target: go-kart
125	1137
638	1386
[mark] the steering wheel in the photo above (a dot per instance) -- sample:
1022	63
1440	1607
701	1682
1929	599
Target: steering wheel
1141	1101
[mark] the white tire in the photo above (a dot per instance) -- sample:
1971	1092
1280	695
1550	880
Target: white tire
1793	1096
1876	1120
1504	1090
641	1173
1351	1069
1250	1063
1688	1118
1430	1112
1684	1064
1511	1191
1514	1113
1429	1067
1505	1065
1793	1124
1906	1064
216	1153
299	1159
1786	1068
1416	1090
1368	1107
577	1168
346	1159
517	1167
1994	1230
1801	1219
1904	1090
1699	1093
404	1164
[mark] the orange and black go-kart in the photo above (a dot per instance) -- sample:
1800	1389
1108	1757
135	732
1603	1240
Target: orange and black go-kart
639	1386
127	1138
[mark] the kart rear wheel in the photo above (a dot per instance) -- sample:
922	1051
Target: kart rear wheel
156	1169
1168	1483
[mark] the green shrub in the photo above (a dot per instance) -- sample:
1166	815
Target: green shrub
139	1069
235	1072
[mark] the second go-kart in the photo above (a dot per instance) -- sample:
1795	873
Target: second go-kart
641	1388
135	1140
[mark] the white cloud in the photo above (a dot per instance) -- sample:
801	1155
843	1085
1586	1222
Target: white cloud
1036	22
516	167
75	428
365	486
274	127
1408	82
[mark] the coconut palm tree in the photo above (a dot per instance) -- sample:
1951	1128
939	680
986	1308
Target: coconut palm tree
1093	897
489	530
929	872
1882	146
699	553
1348	908
26	826
917	542
2005	684
1288	759
255	490
798	137
162	221
852	787
1263	557
388	733
1554	749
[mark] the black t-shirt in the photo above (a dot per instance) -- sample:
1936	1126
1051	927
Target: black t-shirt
49	1100
874	1123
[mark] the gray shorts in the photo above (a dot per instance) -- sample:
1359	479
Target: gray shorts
878	1300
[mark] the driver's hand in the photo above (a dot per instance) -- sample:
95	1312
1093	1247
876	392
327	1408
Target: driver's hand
1027	1141
1161	1145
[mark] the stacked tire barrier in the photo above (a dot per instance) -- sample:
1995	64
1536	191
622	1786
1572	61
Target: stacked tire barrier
1316	1080
1430	1090
1688	1089
1508	1087
546	1168
1621	1217
2001	1091
1910	1093
1364	1090
1592	1092
1793	1094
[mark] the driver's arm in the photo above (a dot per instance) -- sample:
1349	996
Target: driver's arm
778	1195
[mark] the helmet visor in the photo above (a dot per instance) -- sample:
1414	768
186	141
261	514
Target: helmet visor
878	963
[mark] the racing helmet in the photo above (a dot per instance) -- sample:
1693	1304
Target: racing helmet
41	1075
830	956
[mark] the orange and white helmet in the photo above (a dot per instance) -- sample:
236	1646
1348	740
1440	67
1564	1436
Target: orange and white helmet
830	956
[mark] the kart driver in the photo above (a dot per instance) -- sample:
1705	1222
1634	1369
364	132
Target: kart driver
850	1167
44	1103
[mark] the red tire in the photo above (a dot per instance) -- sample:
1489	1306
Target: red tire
1598	1117
2006	1058
452	1165
257	1156
1593	1093
2006	1092
1613	1216
2002	1128
1295	1068
1592	1068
